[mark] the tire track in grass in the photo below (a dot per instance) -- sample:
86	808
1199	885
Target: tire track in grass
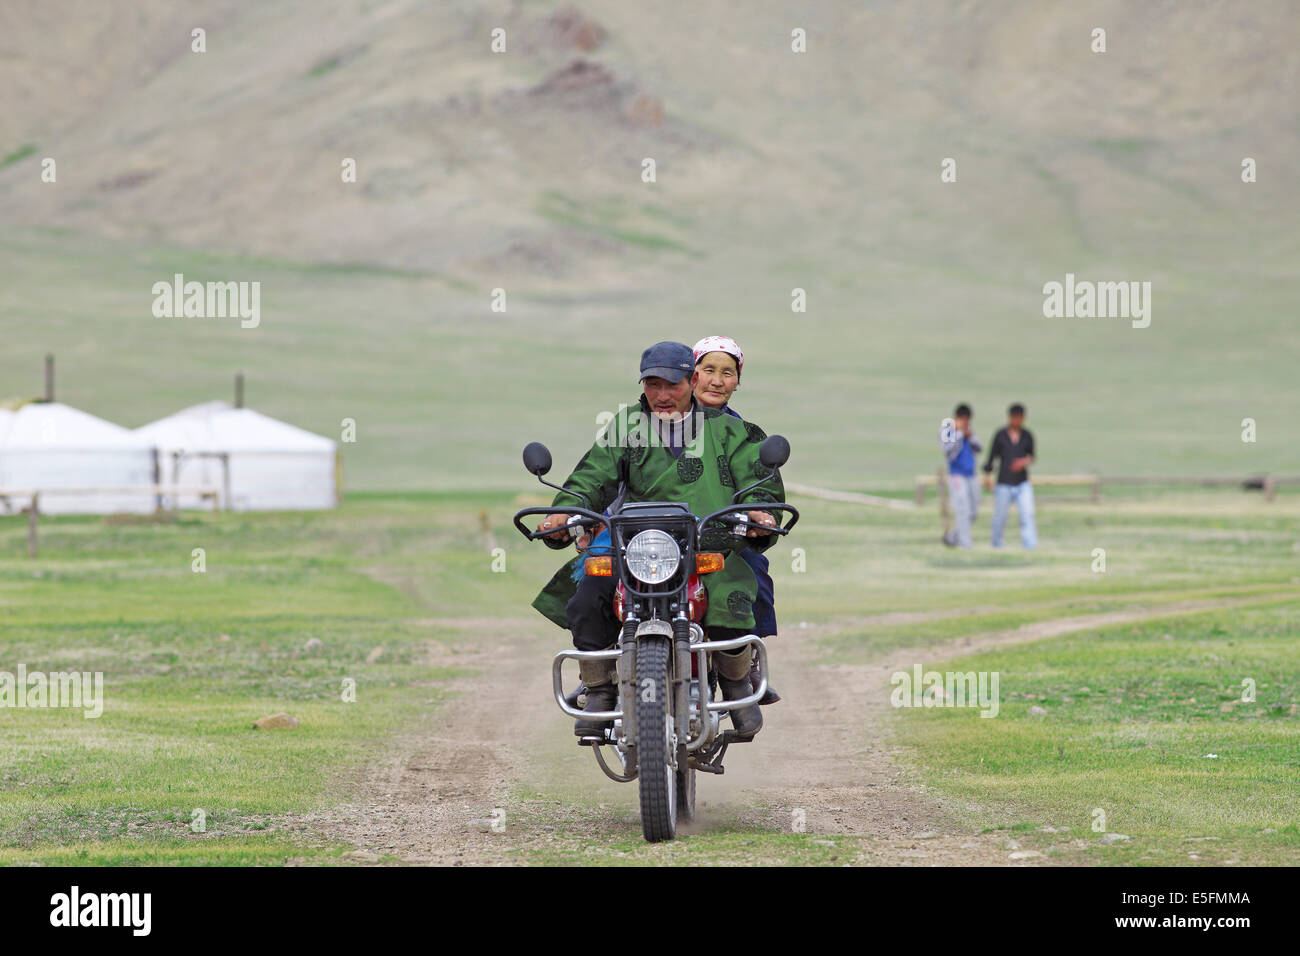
433	796
824	761
830	755
879	711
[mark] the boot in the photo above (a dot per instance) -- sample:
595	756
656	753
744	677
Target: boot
770	696
600	697
578	696
733	677
602	694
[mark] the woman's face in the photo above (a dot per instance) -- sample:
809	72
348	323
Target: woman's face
715	378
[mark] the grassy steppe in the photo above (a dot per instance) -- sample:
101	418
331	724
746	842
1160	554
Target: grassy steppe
1146	726
191	659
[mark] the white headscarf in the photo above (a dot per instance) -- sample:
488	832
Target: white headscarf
719	343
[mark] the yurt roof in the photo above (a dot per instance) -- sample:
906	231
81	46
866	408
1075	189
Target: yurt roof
44	425
218	426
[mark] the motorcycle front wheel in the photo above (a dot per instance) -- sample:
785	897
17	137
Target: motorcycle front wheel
656	778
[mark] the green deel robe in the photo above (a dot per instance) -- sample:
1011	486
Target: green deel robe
723	457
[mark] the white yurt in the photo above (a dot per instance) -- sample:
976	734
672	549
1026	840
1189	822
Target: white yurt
81	464
257	462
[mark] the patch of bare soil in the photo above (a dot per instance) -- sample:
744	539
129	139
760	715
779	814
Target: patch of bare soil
823	761
430	798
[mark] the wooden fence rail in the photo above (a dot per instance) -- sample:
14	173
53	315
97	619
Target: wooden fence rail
1094	481
1266	483
852	497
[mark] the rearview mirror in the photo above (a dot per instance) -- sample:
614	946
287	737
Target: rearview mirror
537	458
774	452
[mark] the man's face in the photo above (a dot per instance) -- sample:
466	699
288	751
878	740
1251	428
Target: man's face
668	399
960	422
715	378
1016	421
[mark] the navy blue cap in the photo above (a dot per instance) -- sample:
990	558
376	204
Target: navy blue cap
671	361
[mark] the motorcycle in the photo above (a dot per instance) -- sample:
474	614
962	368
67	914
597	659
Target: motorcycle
667	725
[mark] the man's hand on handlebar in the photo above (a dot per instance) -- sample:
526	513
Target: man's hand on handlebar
558	522
762	522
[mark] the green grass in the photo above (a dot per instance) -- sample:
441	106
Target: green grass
176	851
1144	723
1160	550
190	660
870	421
1122	145
609	219
18	155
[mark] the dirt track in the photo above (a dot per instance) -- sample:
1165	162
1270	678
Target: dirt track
823	750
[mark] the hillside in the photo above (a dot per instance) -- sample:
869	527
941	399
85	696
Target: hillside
521	170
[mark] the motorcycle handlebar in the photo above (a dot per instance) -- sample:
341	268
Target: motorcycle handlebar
533	535
722	514
591	518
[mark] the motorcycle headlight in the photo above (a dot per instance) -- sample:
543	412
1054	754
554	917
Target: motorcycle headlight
653	556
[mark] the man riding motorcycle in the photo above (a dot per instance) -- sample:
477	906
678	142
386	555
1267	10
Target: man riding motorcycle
718	363
666	448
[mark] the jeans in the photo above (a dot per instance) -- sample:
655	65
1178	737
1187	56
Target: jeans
964	496
765	601
1023	495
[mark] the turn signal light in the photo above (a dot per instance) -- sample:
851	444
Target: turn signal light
706	562
600	567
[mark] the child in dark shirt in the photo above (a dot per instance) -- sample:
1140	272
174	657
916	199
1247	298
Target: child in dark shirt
1013	446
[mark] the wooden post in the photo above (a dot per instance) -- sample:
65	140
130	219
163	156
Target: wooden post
1096	489
32	510
920	491
941	486
157	482
239	389
1269	489
338	475
49	377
